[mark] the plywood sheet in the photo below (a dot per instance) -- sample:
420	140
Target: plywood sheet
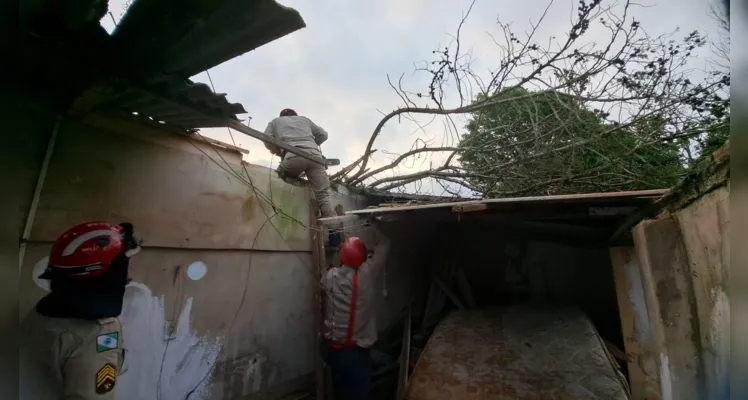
175	198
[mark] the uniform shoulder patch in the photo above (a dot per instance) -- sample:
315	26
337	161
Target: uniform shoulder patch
107	341
105	379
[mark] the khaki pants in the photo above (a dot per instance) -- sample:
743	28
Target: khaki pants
293	165
70	358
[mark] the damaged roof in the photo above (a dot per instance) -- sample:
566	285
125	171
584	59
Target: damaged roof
632	197
173	104
144	65
161	37
590	218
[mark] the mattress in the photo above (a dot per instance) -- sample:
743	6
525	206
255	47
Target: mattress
518	353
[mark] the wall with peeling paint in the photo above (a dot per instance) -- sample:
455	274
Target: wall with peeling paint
220	305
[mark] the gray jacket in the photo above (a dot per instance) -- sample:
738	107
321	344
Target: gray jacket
337	283
297	131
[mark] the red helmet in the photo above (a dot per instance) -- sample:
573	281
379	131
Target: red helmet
287	111
88	250
352	252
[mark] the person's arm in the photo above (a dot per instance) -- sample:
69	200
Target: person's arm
320	135
270	131
93	367
376	263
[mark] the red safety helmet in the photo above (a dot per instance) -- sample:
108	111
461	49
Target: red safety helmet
287	111
352	252
88	250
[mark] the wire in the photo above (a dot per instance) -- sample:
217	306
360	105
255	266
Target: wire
177	306
268	219
238	308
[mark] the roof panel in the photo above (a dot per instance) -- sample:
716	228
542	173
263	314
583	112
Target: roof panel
164	37
610	197
166	104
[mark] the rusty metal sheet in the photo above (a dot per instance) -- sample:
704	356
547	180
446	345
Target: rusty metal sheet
518	353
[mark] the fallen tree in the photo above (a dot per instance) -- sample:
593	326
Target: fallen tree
622	111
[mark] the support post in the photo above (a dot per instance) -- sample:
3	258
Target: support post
37	193
636	328
318	263
402	383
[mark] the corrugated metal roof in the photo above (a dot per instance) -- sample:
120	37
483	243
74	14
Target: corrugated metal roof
619	197
156	47
165	103
163	37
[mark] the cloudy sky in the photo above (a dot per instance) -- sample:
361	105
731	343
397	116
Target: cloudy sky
335	70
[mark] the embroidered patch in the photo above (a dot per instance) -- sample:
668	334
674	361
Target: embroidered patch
107	341
105	379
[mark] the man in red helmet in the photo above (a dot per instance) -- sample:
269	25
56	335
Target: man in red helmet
301	132
72	344
350	316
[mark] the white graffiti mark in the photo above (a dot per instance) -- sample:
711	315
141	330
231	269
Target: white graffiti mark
38	269
197	270
160	368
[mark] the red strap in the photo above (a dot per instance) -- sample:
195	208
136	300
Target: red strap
352	317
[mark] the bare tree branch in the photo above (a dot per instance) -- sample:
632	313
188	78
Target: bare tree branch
639	89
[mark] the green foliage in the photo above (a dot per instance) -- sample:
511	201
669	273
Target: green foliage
550	143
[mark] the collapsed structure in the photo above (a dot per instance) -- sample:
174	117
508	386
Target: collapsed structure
223	298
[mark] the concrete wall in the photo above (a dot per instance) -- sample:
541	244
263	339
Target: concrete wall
246	326
673	296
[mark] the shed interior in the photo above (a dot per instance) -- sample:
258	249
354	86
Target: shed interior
474	255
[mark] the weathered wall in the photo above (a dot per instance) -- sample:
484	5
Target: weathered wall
681	273
704	226
503	267
212	308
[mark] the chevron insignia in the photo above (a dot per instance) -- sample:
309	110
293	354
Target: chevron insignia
105	379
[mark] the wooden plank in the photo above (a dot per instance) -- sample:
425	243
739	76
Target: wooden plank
638	341
402	382
339	219
318	257
642	196
470	208
267	139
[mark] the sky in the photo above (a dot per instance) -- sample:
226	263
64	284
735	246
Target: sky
335	70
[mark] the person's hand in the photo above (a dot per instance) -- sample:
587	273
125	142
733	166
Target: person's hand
384	232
